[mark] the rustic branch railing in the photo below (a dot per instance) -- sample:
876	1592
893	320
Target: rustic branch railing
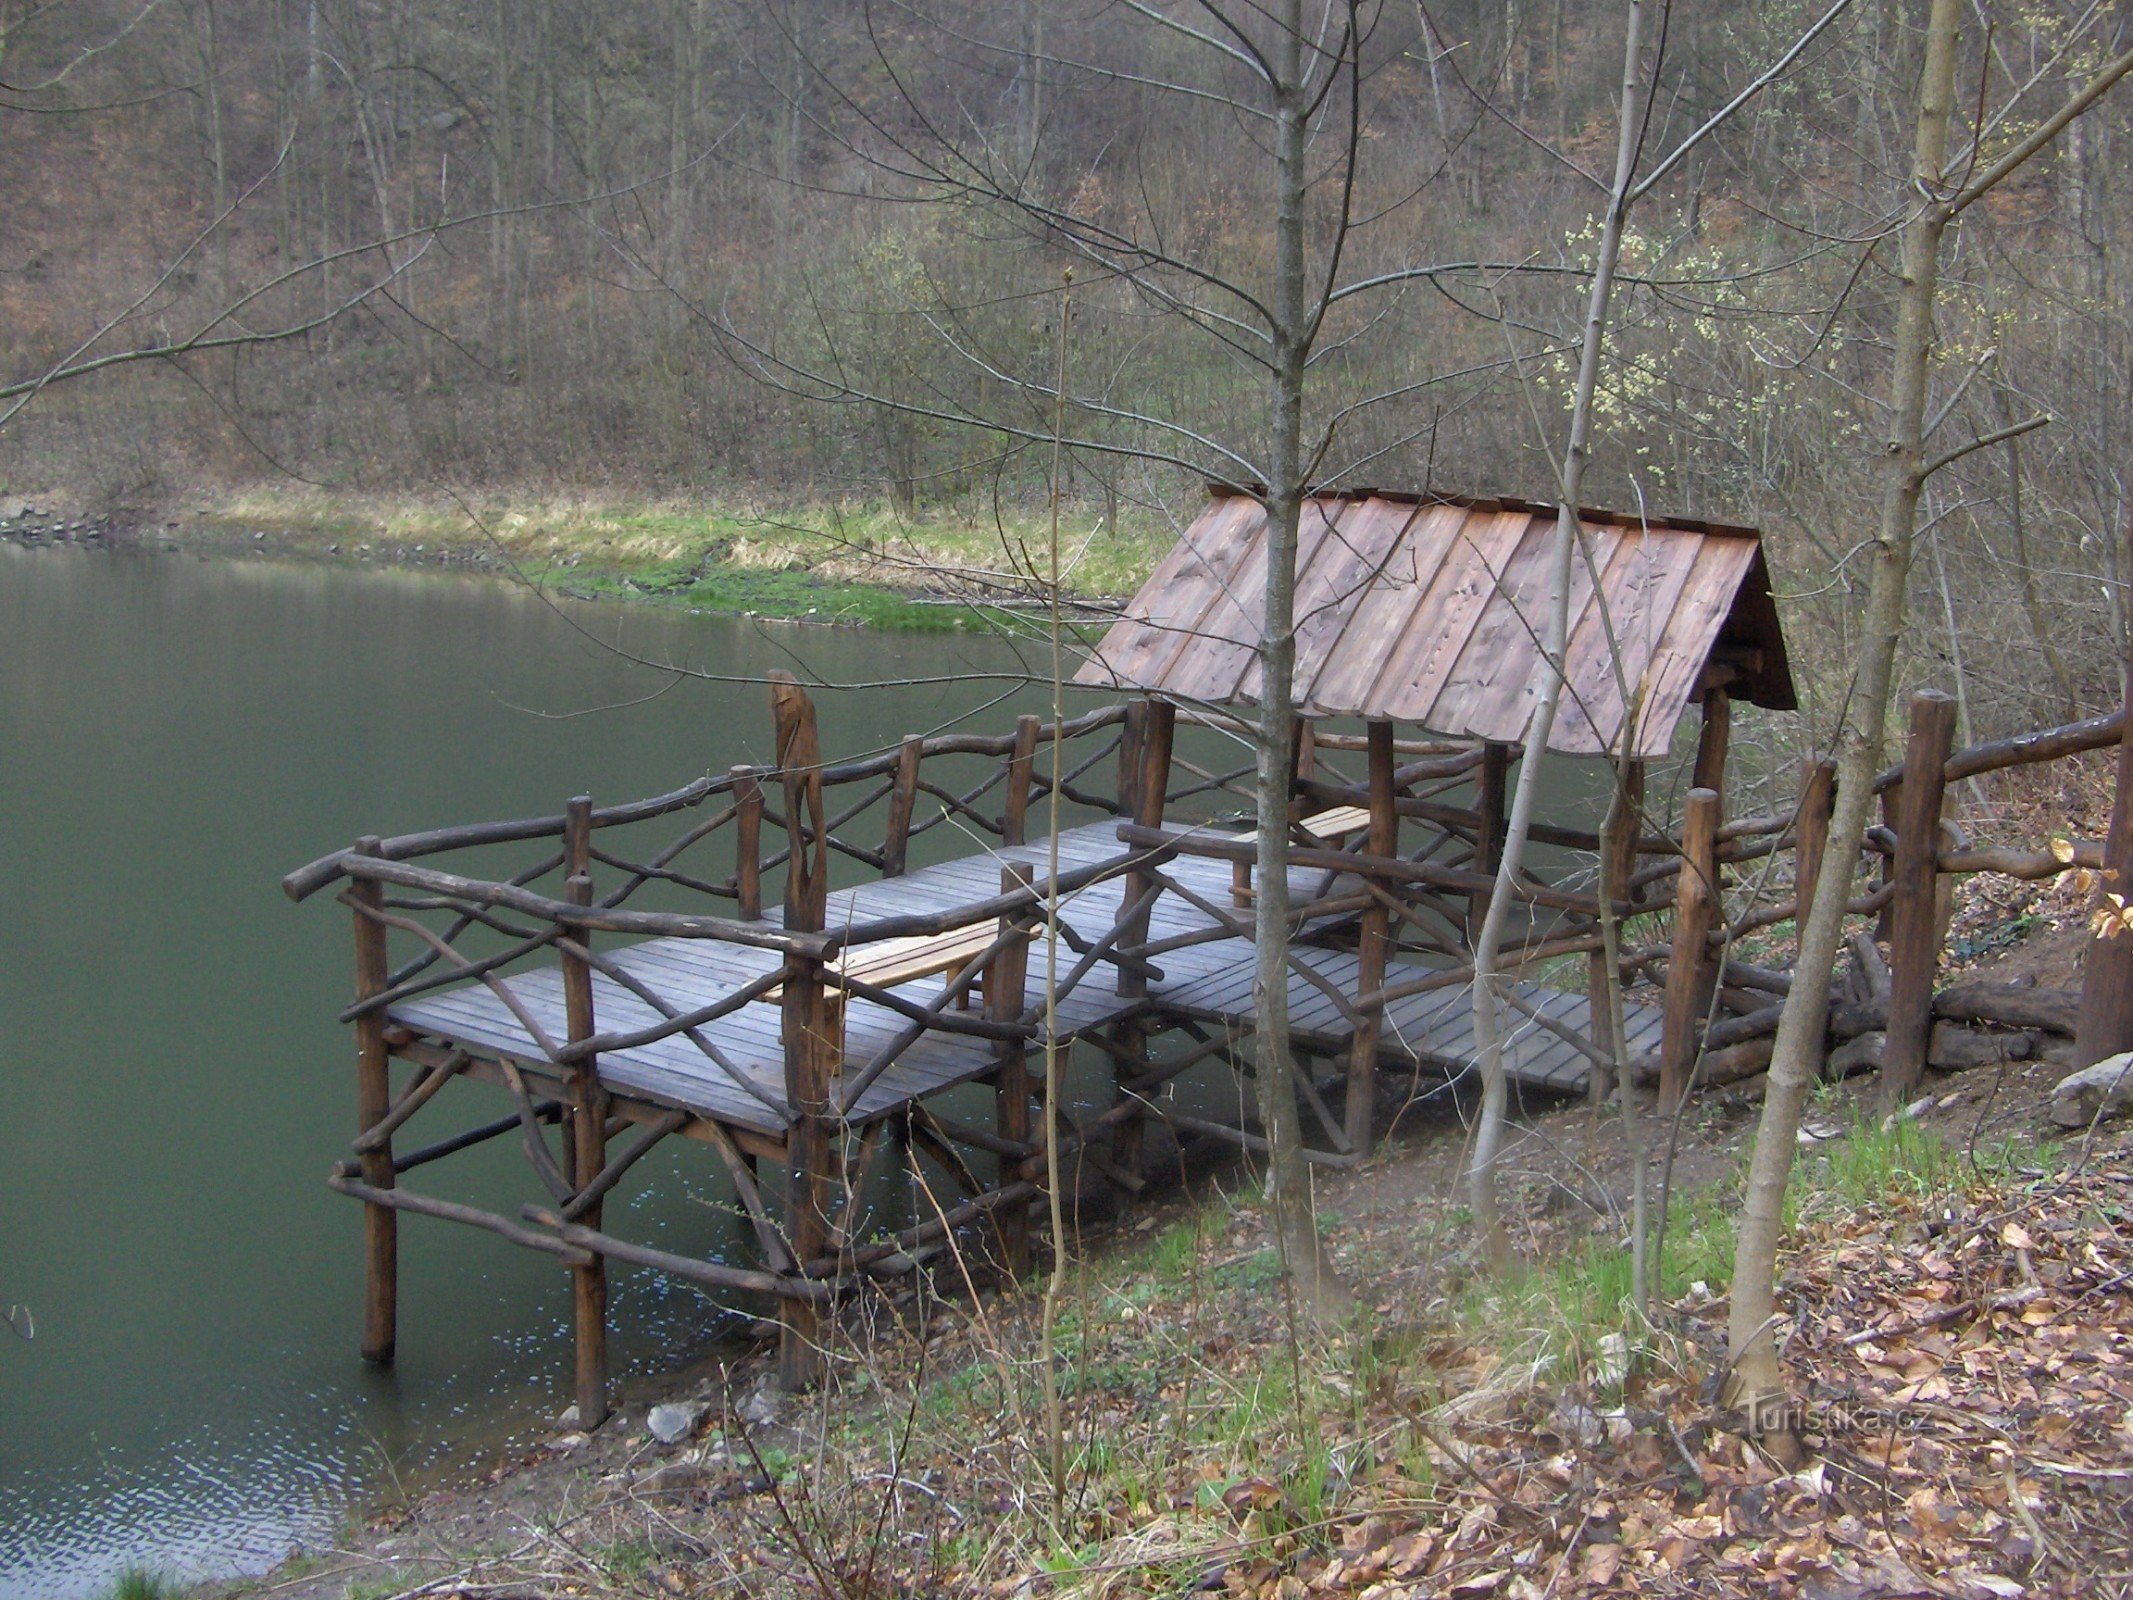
1399	863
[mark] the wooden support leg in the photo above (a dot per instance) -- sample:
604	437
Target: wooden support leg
1618	848
1153	730
1129	1042
1006	980
811	1026
587	1145
1713	737
1384	842
381	1224
1914	932
1690	972
810	1052
1818	797
2106	1020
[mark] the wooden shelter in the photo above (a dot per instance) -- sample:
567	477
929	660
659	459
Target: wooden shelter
838	1028
1430	610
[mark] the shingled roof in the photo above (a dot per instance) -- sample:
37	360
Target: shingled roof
1430	609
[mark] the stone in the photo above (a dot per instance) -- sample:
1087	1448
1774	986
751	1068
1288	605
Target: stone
1577	1421
2095	1093
760	1407
564	1443
676	1420
568	1419
1610	1367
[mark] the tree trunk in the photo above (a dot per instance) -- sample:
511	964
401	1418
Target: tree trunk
1488	1005
1321	1295
1756	1383
2106	1025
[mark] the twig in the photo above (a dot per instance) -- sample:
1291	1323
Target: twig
1998	1302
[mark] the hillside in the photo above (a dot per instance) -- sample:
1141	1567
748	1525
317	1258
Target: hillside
385	253
1956	1295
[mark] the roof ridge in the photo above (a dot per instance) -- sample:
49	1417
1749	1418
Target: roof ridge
1599	516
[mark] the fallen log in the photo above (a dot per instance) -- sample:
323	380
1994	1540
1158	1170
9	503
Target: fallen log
1729	1064
1870	973
1742	975
2005	1005
1862	1054
1758	1024
1735	1062
1952	1047
2012	1005
1850	1018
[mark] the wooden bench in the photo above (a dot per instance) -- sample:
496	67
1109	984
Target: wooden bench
886	963
1334	826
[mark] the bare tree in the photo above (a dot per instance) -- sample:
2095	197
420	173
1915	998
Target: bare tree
1944	188
1625	190
1298	82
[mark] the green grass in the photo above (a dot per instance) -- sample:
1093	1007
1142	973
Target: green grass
837	562
138	1583
1876	1158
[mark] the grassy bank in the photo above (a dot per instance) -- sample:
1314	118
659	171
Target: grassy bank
1463	1436
850	563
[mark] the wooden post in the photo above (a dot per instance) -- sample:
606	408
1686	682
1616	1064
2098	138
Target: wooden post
1306	749
1021	762
587	1148
1129	1042
1690	971
1713	737
1154	783
2105	1025
799	748
1132	736
1151	785
1618	847
1130	1036
1489	784
903	799
812	1050
747	843
374	1094
809	1024
1006	983
1914	943
1818	797
1375	933
1884	866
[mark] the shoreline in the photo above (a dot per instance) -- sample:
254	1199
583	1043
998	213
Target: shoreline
833	566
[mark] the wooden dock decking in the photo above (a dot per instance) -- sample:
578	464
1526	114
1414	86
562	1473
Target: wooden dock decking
1209	983
813	1039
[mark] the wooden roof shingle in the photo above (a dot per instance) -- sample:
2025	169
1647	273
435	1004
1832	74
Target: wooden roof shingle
1430	610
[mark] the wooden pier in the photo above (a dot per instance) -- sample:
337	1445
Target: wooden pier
816	1038
624	982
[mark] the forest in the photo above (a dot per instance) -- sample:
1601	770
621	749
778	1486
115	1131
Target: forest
701	248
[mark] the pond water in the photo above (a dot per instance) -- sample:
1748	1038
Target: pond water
174	735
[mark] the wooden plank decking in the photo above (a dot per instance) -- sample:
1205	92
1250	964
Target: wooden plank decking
1208	982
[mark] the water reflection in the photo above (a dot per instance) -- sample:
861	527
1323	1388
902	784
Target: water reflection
175	734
